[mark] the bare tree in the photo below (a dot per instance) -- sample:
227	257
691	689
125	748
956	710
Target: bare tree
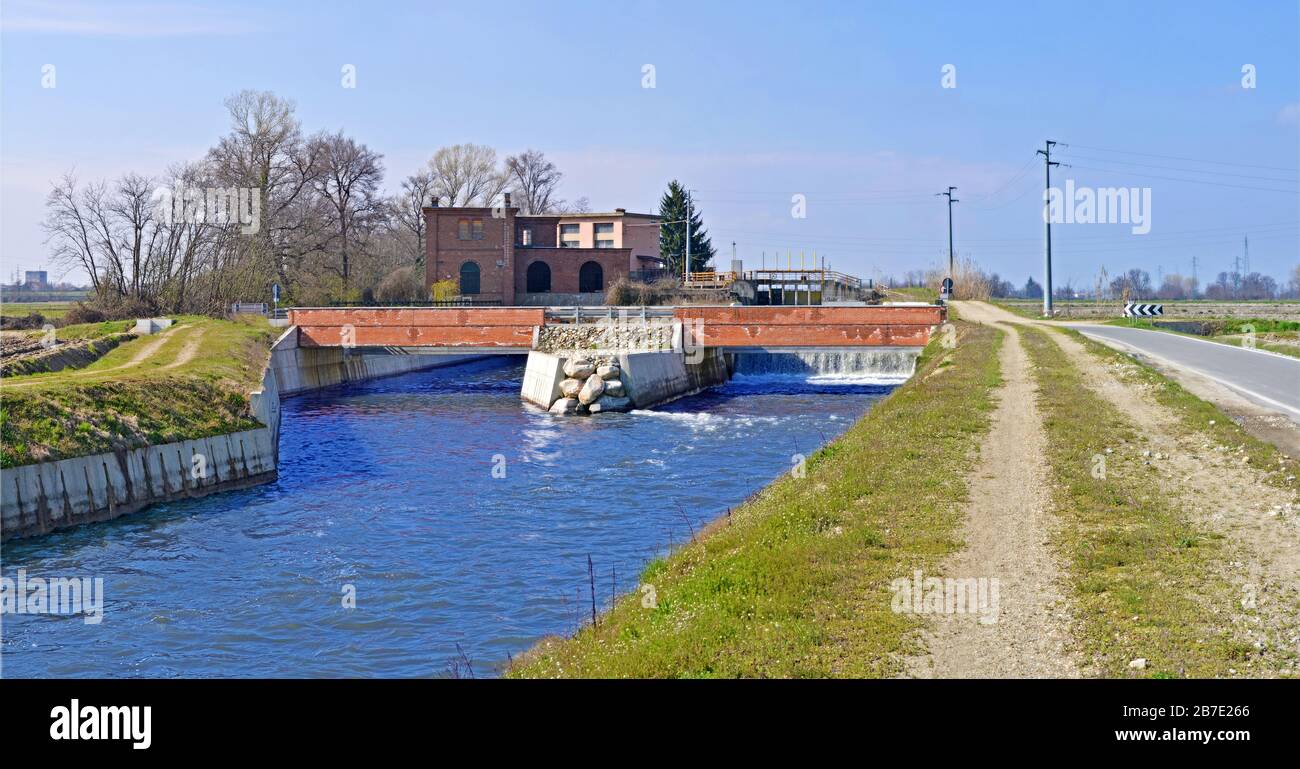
534	179
349	178
407	213
467	175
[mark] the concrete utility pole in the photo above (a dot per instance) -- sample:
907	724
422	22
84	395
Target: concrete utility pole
686	268
1046	152
1193	276
951	200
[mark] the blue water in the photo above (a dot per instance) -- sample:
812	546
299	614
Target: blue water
388	487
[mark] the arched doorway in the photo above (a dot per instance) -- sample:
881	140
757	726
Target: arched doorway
591	278
538	277
469	283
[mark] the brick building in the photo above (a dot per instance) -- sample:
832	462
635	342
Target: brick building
495	254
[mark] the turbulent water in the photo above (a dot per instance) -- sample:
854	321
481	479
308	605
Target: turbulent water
458	517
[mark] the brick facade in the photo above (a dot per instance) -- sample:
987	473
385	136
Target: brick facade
503	246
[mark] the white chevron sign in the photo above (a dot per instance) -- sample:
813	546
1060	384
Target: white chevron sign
1137	310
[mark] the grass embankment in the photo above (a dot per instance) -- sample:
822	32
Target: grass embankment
189	382
911	294
1140	570
795	582
1279	336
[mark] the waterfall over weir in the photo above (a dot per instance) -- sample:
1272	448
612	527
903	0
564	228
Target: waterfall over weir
892	366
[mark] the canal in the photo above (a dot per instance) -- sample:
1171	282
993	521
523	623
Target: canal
458	519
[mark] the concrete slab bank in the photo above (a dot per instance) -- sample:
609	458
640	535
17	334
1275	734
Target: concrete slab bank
47	496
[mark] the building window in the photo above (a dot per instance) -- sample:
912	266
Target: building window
469	283
604	243
477	229
526	236
591	278
569	229
462	229
605	228
539	278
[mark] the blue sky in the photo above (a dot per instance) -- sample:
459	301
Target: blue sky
839	102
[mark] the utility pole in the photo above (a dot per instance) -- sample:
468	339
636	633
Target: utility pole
1194	283
686	268
1046	152
1245	247
951	200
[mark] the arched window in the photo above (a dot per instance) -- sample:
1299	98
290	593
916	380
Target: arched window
591	278
469	278
539	277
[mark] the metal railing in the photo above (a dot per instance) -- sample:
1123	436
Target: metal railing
457	302
579	314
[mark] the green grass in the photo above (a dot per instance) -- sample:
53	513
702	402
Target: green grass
99	408
50	310
911	294
795	582
1031	311
1140	571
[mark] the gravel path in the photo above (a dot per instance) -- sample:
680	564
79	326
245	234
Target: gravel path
1007	533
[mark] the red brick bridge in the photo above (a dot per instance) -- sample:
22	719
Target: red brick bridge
512	329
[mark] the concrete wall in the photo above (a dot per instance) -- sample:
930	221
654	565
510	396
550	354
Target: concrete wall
48	496
649	378
300	369
654	378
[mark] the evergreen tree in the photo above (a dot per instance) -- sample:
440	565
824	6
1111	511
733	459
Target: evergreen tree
672	232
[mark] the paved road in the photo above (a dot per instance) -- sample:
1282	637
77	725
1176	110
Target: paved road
1268	379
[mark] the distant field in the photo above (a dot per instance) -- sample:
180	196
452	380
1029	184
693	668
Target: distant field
1200	309
49	309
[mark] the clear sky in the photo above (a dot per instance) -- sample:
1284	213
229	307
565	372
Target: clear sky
753	104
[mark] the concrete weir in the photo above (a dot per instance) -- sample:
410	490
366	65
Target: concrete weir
43	497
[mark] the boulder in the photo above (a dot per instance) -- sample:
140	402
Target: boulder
611	403
591	390
578	368
570	387
614	387
608	371
565	406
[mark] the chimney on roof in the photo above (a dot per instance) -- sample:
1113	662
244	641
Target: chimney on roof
506	197
620	210
433	202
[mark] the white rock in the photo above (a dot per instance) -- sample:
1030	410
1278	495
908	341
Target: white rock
591	390
565	406
614	387
608	372
570	387
610	403
1138	664
578	368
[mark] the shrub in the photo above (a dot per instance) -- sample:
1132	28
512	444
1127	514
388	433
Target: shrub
404	284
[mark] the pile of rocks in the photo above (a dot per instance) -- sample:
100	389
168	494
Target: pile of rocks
592	385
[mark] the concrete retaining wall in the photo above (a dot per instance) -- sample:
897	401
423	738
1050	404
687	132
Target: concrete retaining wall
301	369
47	496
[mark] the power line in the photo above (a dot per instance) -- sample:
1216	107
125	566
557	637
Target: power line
1192	160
